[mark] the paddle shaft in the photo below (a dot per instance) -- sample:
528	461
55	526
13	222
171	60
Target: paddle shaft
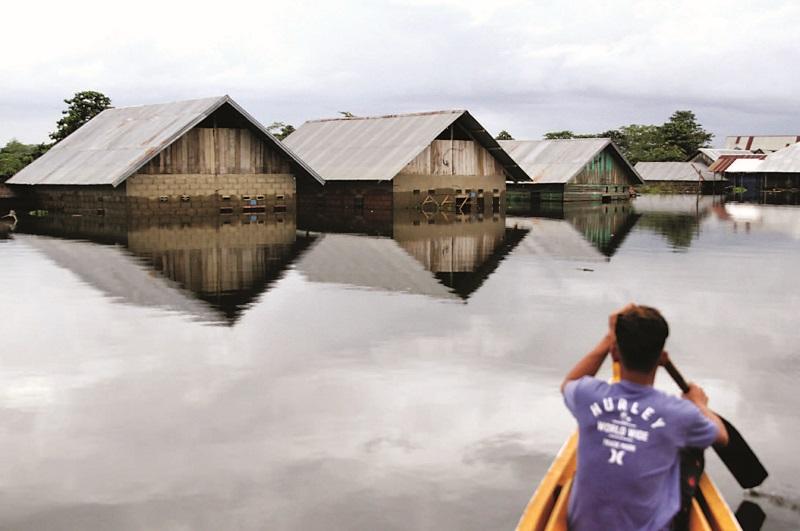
737	454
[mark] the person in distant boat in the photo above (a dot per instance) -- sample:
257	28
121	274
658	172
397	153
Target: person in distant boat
639	449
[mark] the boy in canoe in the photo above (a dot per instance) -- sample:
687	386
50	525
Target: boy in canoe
639	449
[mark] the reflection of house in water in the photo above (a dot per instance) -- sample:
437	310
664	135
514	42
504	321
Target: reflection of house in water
676	217
439	255
210	268
576	232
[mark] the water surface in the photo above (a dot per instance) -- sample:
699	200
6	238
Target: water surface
262	373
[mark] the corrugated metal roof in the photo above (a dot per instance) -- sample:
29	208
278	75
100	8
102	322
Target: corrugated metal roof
786	160
715	153
377	148
724	161
764	142
558	161
668	171
117	142
369	262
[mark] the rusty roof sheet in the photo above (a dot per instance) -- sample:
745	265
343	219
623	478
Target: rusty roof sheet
558	161
724	161
376	148
669	171
117	142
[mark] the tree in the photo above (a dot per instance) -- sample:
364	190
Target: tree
504	135
14	156
559	135
280	130
81	108
646	142
683	131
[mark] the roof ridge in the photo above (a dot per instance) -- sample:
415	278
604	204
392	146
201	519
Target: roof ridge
380	117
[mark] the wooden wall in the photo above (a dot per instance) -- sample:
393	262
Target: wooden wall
218	151
453	157
605	168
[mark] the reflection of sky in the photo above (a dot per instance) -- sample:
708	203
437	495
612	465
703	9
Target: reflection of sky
363	409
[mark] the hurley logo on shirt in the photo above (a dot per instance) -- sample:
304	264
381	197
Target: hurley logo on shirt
622	433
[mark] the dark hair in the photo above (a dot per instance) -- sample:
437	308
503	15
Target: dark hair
641	333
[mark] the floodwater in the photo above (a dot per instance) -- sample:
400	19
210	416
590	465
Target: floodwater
397	373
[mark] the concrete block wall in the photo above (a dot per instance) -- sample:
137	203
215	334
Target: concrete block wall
201	194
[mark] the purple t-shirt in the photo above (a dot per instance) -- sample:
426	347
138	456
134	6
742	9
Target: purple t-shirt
628	475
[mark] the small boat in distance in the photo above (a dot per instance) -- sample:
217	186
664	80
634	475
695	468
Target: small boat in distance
547	509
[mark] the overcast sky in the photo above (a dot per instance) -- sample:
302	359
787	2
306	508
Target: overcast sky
528	67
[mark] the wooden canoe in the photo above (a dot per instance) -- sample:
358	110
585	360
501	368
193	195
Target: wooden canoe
547	509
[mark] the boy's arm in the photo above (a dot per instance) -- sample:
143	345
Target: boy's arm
698	397
591	362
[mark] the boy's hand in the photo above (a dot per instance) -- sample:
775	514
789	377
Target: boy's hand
696	395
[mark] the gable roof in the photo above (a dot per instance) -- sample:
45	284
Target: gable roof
669	171
377	148
714	153
113	145
559	161
786	160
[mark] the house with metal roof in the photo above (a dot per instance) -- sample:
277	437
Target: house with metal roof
442	160
777	171
708	156
680	177
206	156
577	169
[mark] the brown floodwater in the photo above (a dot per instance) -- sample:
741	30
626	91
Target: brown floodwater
265	373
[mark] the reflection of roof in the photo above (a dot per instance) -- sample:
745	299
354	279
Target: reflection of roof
669	171
724	162
555	238
117	142
674	203
368	262
119	275
558	161
378	148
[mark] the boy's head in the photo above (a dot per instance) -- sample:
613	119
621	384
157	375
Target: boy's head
641	332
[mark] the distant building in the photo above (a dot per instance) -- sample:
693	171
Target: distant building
680	177
580	169
778	171
199	156
765	143
708	156
437	160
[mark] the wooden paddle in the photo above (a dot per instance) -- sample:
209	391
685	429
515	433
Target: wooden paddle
737	454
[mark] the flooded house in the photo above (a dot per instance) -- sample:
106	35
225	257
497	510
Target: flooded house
708	156
442	160
776	172
199	157
580	169
680	177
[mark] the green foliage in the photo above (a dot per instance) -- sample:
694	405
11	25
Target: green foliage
559	135
81	108
280	130
504	135
15	155
683	132
675	140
